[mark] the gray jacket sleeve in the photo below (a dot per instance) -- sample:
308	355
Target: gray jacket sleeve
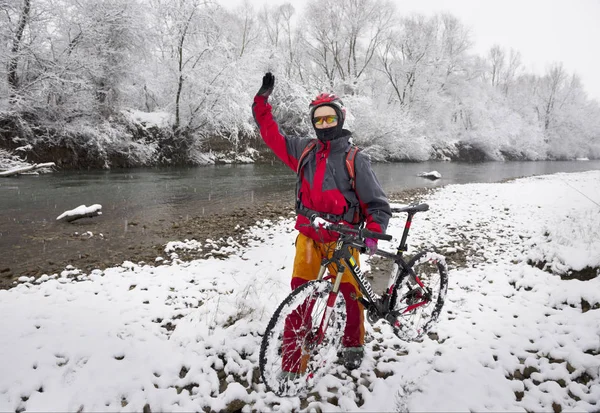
373	201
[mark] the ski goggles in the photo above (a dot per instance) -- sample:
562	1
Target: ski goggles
318	120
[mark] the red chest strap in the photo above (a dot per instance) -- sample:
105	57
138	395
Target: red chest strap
311	145
350	166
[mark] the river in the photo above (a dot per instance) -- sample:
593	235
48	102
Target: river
209	189
30	203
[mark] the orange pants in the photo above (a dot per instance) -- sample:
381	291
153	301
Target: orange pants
307	262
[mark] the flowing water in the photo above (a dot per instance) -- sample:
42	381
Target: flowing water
28	202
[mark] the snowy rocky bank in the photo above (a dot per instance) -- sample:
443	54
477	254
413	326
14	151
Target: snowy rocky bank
520	330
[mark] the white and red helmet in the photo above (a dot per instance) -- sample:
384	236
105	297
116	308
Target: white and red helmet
328	99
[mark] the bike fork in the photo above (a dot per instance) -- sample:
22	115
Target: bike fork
330	303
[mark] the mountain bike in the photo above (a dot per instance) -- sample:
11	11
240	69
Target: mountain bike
303	337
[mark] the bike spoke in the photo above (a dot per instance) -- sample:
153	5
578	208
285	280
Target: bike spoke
418	308
295	351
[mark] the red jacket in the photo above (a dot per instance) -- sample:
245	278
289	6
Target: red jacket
324	183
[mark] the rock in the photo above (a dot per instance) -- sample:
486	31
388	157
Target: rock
433	175
235	406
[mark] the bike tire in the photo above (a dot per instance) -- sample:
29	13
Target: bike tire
314	363
412	324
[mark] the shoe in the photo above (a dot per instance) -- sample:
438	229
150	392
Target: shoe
353	357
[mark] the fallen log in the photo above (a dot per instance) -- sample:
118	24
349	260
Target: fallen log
22	169
80	212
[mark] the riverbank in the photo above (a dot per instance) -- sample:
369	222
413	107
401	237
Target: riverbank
100	243
518	331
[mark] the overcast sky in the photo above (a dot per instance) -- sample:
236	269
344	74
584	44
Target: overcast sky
544	31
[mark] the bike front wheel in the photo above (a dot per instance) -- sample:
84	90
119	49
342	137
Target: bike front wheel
298	346
416	307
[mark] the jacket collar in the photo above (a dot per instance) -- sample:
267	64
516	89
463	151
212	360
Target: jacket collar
340	144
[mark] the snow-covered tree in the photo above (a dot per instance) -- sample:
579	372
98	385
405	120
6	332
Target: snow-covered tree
16	45
412	83
343	37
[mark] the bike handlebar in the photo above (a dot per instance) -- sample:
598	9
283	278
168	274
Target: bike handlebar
343	229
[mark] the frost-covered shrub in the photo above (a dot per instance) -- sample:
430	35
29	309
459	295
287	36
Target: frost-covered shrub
573	243
106	145
291	108
9	160
501	133
388	127
376	153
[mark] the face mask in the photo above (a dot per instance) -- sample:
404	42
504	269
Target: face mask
328	134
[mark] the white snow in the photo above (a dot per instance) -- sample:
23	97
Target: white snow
81	210
10	161
32	169
24	148
185	245
149	119
186	336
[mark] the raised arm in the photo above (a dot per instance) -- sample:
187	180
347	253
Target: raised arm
286	148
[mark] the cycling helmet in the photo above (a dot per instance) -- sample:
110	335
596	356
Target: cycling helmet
328	99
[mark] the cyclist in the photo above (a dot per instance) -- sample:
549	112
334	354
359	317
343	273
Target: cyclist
324	186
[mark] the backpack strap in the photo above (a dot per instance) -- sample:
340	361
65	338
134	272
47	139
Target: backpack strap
307	149
350	160
350	157
311	145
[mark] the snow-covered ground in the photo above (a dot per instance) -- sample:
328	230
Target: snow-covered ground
185	336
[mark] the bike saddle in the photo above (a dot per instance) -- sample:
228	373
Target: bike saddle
412	209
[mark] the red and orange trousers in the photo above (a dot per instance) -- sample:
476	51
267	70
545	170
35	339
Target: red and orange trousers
307	262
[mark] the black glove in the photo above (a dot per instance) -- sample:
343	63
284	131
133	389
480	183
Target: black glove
267	86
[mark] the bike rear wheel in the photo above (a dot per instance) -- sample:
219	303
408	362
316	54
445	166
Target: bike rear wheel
416	308
293	355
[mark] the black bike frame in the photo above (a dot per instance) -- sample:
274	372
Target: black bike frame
399	256
343	254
